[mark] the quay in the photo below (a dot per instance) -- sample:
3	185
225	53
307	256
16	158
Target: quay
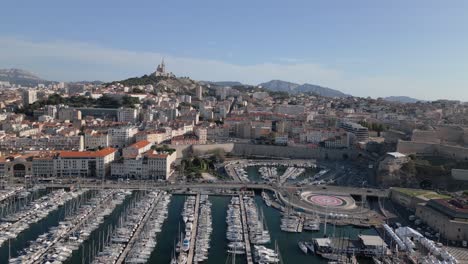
137	232
248	249
194	234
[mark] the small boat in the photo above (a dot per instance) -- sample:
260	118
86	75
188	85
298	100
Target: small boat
302	246
310	247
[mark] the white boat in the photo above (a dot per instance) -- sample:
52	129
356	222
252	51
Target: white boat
302	246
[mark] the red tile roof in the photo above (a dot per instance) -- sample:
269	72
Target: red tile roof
154	154
140	144
87	154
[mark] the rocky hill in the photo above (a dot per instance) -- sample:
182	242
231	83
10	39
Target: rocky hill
223	83
21	77
280	86
179	85
402	99
283	86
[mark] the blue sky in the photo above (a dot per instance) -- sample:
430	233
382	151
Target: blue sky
362	47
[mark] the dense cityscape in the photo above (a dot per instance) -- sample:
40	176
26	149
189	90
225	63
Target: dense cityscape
102	172
234	132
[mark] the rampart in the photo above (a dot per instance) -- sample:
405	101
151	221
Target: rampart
454	152
245	149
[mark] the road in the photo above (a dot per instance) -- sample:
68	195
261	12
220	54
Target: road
145	185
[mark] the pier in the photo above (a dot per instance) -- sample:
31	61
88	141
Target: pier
300	226
194	234
7	194
248	250
137	232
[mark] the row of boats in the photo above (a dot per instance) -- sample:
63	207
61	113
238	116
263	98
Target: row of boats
268	170
16	199
14	224
142	249
204	230
264	255
43	249
241	173
8	193
292	223
235	232
90	216
258	232
129	223
270	174
296	224
185	239
291	173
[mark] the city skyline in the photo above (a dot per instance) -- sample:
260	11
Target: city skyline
413	49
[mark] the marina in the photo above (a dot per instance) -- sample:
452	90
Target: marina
120	241
12	225
204	230
277	171
147	239
45	247
118	226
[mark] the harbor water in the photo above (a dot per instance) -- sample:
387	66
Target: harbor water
166	239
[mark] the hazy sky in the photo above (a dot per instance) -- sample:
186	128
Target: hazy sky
372	48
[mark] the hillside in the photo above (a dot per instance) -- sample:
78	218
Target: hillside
166	84
402	99
223	83
279	86
283	86
21	77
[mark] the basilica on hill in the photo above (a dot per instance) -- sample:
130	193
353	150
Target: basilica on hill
161	70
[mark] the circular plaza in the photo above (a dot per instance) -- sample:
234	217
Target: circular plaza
331	201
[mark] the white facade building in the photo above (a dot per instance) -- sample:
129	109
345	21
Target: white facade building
151	165
95	140
84	163
122	136
29	97
127	115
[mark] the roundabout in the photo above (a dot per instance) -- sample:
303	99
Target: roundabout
330	201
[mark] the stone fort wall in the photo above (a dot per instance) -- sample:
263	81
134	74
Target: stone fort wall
455	152
245	149
442	134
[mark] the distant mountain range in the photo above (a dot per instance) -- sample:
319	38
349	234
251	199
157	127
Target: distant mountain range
223	83
283	86
21	77
26	78
402	99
